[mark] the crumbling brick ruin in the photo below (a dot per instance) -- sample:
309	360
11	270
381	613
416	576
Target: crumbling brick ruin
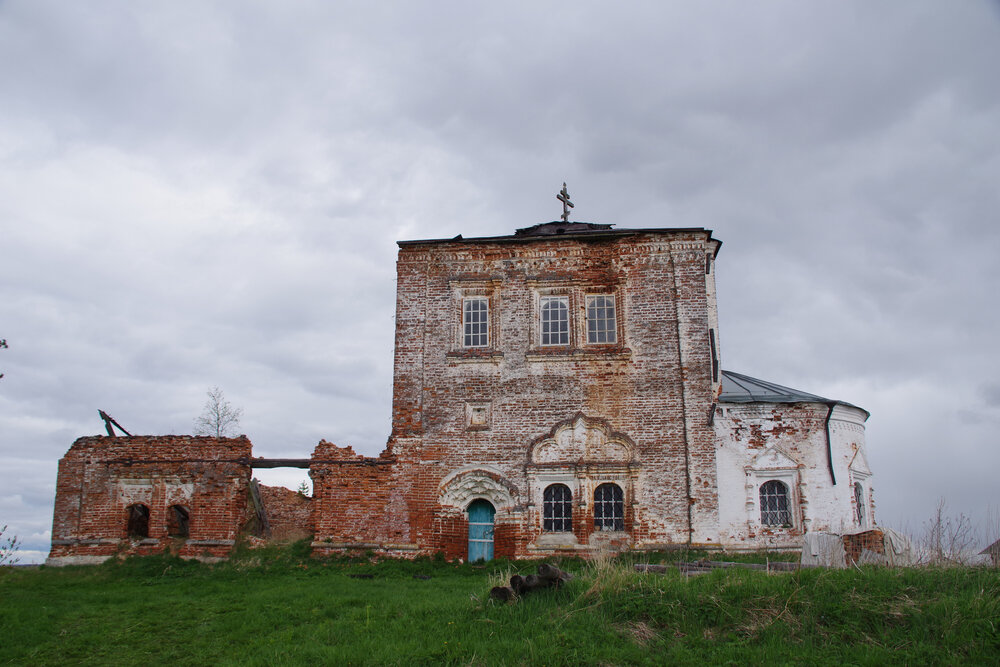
145	494
556	391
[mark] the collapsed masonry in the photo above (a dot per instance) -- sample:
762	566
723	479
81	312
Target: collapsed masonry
147	494
556	391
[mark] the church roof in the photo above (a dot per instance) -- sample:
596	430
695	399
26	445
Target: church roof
739	388
566	230
559	227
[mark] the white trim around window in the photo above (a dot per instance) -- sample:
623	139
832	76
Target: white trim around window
553	320
602	319
476	321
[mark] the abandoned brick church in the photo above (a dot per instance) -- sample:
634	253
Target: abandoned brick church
556	391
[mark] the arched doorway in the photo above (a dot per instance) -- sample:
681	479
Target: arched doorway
481	513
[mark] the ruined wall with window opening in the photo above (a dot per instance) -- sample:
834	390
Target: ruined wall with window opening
565	381
141	495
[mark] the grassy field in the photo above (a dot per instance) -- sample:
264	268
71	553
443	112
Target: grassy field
283	608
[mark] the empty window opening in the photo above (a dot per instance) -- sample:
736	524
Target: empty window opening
557	509
178	521
774	504
715	355
555	320
859	501
475	322
601	322
138	520
609	507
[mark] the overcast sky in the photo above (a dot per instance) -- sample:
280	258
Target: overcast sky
209	193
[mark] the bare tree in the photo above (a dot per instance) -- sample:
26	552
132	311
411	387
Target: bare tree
8	548
948	540
219	418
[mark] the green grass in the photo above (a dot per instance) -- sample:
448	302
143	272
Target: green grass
280	607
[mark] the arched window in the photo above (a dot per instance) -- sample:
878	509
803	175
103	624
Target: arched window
178	521
138	520
859	502
557	508
609	507
774	504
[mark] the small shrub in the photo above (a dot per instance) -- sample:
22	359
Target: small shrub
9	546
948	540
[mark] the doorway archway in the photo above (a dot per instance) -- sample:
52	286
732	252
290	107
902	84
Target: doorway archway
481	514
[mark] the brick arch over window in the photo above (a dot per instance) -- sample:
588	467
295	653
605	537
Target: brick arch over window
137	522
463	486
582	438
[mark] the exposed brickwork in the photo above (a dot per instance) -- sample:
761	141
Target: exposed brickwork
788	442
870	540
100	477
652	388
289	514
504	420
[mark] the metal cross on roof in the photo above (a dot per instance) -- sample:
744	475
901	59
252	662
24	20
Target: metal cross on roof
563	196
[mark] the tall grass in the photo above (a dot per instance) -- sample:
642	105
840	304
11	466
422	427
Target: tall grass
290	609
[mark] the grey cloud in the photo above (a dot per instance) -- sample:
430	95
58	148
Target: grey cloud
991	394
197	195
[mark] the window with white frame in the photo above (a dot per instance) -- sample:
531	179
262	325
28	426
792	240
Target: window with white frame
859	503
609	507
774	504
557	509
475	321
602	325
554	320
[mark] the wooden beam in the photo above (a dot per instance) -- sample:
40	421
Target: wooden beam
279	463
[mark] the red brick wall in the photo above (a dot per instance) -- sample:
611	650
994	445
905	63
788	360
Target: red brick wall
353	500
650	392
655	385
289	513
869	540
101	476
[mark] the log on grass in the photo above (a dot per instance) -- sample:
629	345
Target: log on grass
549	576
502	593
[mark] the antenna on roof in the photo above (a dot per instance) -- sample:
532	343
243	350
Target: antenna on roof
563	196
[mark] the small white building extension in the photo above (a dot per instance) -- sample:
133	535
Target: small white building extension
789	463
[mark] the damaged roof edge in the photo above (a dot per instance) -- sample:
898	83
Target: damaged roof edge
588	234
739	388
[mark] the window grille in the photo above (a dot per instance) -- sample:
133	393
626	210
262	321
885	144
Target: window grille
609	507
475	322
774	504
557	508
601	322
555	320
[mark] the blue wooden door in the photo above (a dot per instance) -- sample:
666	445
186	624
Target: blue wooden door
481	514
